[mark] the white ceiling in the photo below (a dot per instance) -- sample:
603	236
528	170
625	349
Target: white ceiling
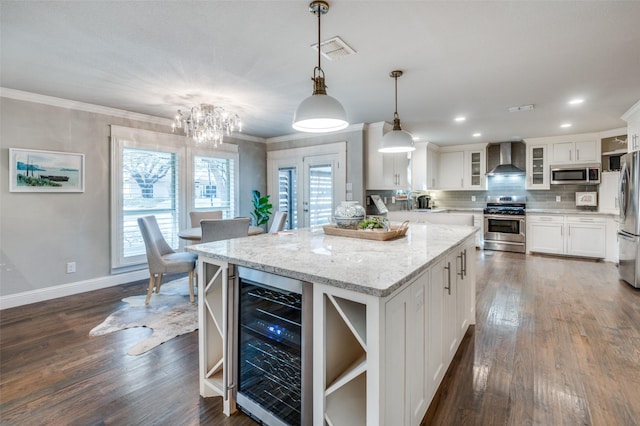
471	58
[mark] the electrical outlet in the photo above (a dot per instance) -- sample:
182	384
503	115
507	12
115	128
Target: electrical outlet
473	198
393	200
71	267
558	198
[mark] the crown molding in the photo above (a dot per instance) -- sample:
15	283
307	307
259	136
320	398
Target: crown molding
81	106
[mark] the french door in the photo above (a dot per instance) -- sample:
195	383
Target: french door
309	183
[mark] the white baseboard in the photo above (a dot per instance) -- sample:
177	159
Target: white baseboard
40	295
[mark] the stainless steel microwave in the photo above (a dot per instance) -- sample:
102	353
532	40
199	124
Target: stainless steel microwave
576	174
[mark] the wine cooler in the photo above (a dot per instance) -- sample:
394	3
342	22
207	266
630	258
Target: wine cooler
274	341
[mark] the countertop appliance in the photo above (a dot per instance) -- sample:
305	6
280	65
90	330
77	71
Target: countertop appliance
583	174
423	202
629	233
587	198
504	223
274	346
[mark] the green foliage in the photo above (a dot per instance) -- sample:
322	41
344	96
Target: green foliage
35	181
261	209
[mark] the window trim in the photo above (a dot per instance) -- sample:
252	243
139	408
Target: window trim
125	137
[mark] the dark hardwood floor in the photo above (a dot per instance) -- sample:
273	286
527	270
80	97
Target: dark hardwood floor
557	342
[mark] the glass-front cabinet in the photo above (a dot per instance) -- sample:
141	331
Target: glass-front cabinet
537	167
476	175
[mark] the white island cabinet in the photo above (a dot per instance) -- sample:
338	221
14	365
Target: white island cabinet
388	316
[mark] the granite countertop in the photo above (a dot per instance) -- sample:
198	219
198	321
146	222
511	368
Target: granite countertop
372	267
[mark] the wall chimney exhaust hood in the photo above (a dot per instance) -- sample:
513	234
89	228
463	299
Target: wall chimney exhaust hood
506	158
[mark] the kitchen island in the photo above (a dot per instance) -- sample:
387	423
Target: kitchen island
388	316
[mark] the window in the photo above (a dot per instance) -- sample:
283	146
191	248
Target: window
149	187
214	184
287	195
158	174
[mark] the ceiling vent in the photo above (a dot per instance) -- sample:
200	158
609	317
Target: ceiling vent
520	108
334	48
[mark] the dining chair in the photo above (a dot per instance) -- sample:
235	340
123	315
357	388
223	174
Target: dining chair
197	215
224	229
279	221
162	259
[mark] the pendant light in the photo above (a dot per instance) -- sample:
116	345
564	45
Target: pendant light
397	140
319	112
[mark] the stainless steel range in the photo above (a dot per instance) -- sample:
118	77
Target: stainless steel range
504	223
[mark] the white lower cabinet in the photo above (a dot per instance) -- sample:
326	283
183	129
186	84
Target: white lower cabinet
379	361
584	236
406	327
545	234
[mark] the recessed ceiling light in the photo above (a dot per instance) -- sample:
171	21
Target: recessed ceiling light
576	101
477	135
565	125
460	119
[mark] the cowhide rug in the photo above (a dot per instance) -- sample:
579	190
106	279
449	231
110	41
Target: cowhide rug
168	313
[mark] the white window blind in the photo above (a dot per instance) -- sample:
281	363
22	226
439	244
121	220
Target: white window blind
149	187
287	195
214	184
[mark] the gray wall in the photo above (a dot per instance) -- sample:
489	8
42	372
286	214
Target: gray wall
41	232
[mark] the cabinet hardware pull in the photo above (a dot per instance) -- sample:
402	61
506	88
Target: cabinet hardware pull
464	269
577	154
448	268
461	273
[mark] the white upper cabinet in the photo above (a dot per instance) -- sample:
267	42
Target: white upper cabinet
579	151
475	169
451	173
632	117
537	166
384	171
424	168
462	167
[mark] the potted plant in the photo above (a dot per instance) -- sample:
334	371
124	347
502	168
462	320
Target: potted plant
261	209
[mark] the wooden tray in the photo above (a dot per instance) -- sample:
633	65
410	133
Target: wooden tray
378	235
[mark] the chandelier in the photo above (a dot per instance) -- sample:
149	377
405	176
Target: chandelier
207	124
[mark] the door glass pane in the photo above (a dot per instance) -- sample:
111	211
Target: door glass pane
320	194
149	187
287	195
213	184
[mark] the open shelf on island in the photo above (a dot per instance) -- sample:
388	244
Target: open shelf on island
348	406
354	370
354	315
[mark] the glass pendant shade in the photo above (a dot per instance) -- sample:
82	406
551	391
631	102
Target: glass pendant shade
397	141
319	114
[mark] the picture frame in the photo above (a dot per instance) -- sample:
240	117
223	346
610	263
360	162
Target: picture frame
33	170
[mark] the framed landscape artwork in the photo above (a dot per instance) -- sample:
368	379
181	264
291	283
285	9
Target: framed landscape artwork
45	171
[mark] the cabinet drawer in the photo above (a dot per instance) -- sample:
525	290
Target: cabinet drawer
545	219
587	219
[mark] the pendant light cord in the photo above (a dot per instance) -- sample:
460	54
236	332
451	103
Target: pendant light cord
395	114
319	12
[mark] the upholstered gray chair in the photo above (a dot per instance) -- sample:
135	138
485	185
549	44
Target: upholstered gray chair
279	220
224	229
162	259
196	216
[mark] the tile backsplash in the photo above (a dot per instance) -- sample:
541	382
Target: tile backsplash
498	185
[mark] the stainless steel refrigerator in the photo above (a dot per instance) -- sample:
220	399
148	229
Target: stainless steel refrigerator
629	233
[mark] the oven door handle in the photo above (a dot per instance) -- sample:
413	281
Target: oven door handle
504	216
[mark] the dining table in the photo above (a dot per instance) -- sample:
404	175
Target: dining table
195	234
